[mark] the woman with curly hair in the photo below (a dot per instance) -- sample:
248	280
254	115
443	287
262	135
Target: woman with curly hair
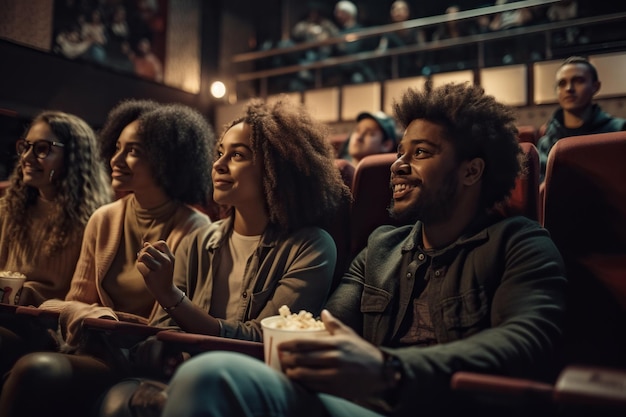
161	166
275	169
461	289
58	182
161	163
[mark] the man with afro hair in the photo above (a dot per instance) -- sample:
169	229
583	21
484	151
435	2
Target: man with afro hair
459	289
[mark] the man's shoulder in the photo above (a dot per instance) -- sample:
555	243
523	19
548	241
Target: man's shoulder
388	230
514	222
553	130
516	229
603	122
387	236
618	124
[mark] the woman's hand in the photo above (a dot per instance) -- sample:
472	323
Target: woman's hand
155	261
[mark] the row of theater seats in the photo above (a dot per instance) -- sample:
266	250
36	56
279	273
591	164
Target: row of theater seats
583	207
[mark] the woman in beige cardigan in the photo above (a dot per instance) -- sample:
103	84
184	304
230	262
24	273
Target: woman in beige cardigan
161	166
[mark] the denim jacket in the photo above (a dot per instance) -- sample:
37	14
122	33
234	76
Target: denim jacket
496	303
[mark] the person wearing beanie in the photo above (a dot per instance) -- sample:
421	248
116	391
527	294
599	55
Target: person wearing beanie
346	15
375	132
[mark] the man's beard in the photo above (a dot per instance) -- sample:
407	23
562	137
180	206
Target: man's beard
432	206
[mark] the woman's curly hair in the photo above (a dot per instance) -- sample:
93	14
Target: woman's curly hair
120	116
178	142
82	185
301	182
477	125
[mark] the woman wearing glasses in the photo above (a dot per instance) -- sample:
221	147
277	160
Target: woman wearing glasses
160	165
58	182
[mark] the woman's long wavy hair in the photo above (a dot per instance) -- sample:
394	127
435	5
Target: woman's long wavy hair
301	182
82	186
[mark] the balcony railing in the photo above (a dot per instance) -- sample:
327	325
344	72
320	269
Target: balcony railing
479	43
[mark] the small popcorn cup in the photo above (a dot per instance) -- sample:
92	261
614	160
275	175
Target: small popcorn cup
11	284
272	336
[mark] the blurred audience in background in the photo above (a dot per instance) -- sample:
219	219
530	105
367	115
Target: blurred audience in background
561	11
451	59
314	27
345	21
407	65
374	132
346	16
577	82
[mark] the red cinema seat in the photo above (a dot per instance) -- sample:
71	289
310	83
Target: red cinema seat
585	213
528	133
524	198
372	195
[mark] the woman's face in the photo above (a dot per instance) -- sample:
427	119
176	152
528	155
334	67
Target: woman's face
237	176
131	170
40	171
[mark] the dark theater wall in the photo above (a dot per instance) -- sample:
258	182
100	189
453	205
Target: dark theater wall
31	81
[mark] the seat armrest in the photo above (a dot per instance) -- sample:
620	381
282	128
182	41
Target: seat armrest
8	309
47	318
37	312
197	343
120	333
500	386
592	386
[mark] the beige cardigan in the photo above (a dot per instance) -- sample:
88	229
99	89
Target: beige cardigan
103	233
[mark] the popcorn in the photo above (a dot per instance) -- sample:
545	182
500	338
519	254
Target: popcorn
12	274
301	321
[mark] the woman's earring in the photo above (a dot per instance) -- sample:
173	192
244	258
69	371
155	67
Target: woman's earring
51	175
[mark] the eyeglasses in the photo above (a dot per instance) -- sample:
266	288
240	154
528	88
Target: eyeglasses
41	148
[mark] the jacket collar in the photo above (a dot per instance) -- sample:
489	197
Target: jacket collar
475	232
224	227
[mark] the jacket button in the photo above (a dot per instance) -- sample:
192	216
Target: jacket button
438	273
421	256
245	294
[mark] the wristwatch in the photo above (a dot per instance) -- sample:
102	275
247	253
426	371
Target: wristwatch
392	372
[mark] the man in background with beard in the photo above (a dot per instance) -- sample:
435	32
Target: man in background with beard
461	289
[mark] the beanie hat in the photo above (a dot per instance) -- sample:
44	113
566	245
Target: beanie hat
387	124
346	6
